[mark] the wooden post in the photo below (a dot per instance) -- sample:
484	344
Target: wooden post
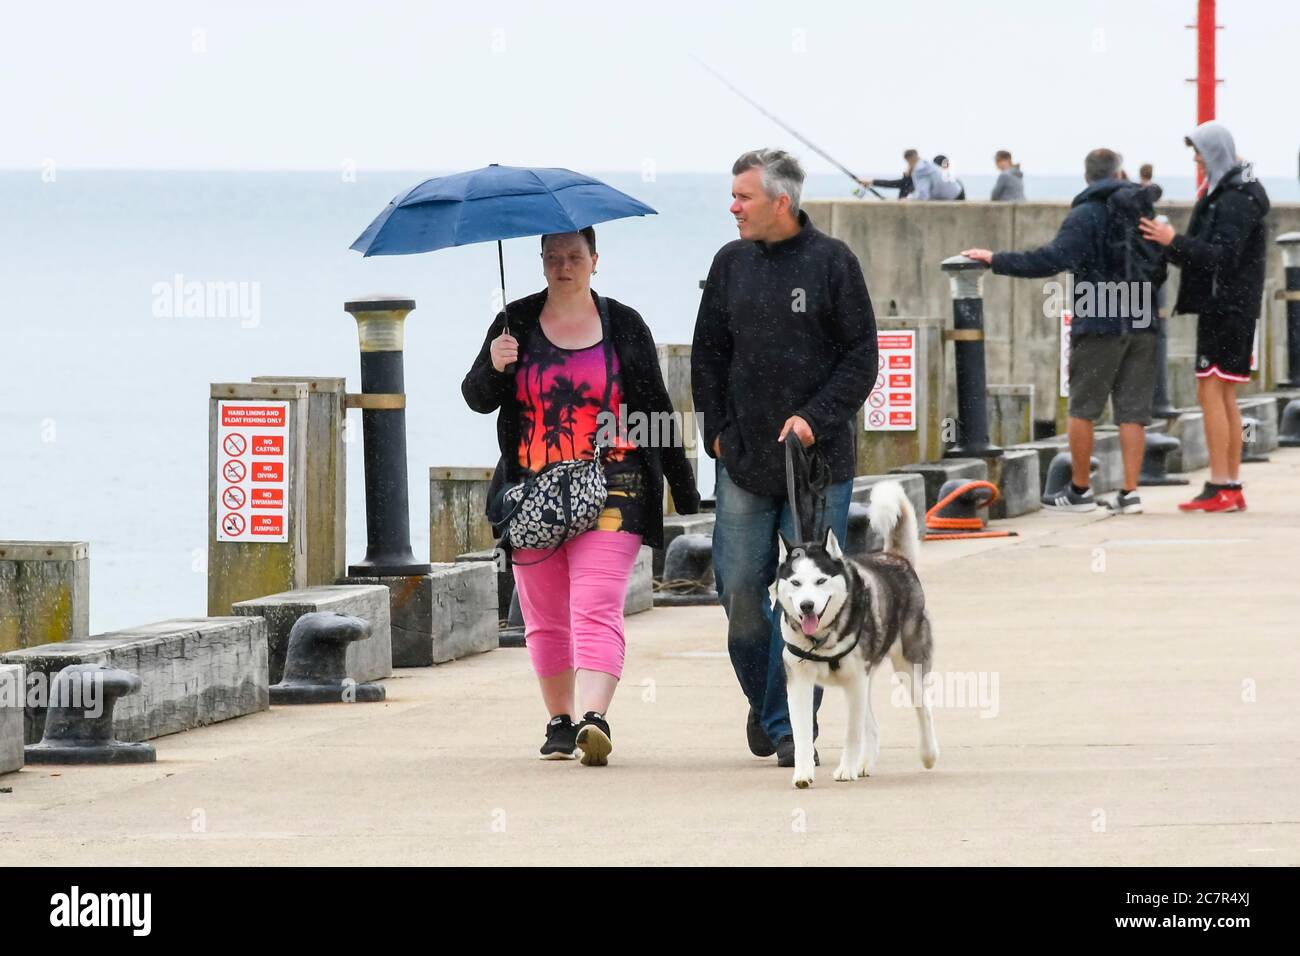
457	522
44	592
246	569
880	452
327	486
675	364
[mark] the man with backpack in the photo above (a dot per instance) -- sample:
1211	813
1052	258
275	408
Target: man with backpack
1221	257
1113	331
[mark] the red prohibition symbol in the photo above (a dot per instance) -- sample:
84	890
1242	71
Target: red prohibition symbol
233	497
877	418
235	444
234	471
233	524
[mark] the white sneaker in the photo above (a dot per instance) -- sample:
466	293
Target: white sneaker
1067	499
1126	504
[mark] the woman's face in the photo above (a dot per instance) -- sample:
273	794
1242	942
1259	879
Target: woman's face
567	263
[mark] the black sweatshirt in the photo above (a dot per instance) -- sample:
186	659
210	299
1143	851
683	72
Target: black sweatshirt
487	390
1223	253
783	329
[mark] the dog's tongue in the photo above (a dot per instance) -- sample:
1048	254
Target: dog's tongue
809	624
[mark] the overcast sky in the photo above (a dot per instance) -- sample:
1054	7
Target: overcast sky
437	86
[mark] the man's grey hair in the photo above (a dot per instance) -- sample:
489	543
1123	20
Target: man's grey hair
782	174
1101	164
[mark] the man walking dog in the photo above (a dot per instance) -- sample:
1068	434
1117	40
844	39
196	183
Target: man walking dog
785	342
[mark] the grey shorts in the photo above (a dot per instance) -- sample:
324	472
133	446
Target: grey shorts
1119	367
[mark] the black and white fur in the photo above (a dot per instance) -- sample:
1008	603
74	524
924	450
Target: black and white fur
827	602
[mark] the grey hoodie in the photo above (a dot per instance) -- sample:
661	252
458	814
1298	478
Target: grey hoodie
931	182
1214	143
1010	186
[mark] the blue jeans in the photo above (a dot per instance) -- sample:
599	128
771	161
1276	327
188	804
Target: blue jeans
744	567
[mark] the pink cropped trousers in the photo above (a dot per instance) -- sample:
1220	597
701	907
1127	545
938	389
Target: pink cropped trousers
573	602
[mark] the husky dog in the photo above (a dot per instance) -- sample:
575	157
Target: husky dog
840	618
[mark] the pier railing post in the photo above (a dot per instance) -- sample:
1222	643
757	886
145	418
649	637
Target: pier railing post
257	502
458	523
44	592
966	278
326	480
1290	245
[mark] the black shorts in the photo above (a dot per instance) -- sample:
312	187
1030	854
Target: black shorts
1223	347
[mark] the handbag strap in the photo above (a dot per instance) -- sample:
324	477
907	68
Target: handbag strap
602	307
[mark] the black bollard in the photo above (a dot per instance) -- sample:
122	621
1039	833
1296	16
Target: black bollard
688	572
967	336
1160	406
1059	473
1290	243
859	541
513	634
1288	432
316	663
1155	458
383	424
79	719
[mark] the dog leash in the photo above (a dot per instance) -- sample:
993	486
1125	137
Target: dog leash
811	468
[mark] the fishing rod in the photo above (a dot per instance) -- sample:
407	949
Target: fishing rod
816	149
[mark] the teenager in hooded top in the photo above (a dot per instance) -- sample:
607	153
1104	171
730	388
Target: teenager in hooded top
1221	257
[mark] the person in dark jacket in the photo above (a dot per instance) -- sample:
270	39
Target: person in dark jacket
545	376
904	183
1112	332
785	342
1221	257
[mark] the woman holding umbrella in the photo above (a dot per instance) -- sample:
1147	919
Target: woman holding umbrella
545	375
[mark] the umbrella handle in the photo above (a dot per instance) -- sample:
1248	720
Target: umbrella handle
505	305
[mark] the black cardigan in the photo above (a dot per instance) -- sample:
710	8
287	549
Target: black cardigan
487	390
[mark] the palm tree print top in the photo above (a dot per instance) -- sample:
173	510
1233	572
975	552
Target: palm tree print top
559	393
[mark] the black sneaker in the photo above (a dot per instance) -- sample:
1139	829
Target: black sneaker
760	744
1126	503
1067	499
593	739
560	743
785	753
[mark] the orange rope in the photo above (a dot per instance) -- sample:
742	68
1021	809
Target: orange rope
972	534
935	521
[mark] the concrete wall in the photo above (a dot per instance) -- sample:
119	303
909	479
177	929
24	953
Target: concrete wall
901	245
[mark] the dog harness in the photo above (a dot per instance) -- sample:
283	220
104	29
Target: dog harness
833	660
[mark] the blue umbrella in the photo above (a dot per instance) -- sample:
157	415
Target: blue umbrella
493	203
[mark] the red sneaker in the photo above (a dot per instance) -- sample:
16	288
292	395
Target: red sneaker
1225	499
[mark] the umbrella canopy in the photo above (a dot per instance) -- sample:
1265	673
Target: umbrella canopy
495	202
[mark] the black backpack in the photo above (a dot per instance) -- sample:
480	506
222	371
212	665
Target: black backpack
1127	256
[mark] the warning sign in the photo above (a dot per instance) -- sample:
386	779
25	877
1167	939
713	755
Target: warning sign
891	406
251	471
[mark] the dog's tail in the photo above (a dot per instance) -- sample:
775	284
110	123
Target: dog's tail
894	519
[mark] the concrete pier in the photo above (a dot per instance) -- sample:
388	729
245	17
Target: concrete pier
1127	728
195	671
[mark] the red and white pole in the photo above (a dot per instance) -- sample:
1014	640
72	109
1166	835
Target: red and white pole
1205	78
